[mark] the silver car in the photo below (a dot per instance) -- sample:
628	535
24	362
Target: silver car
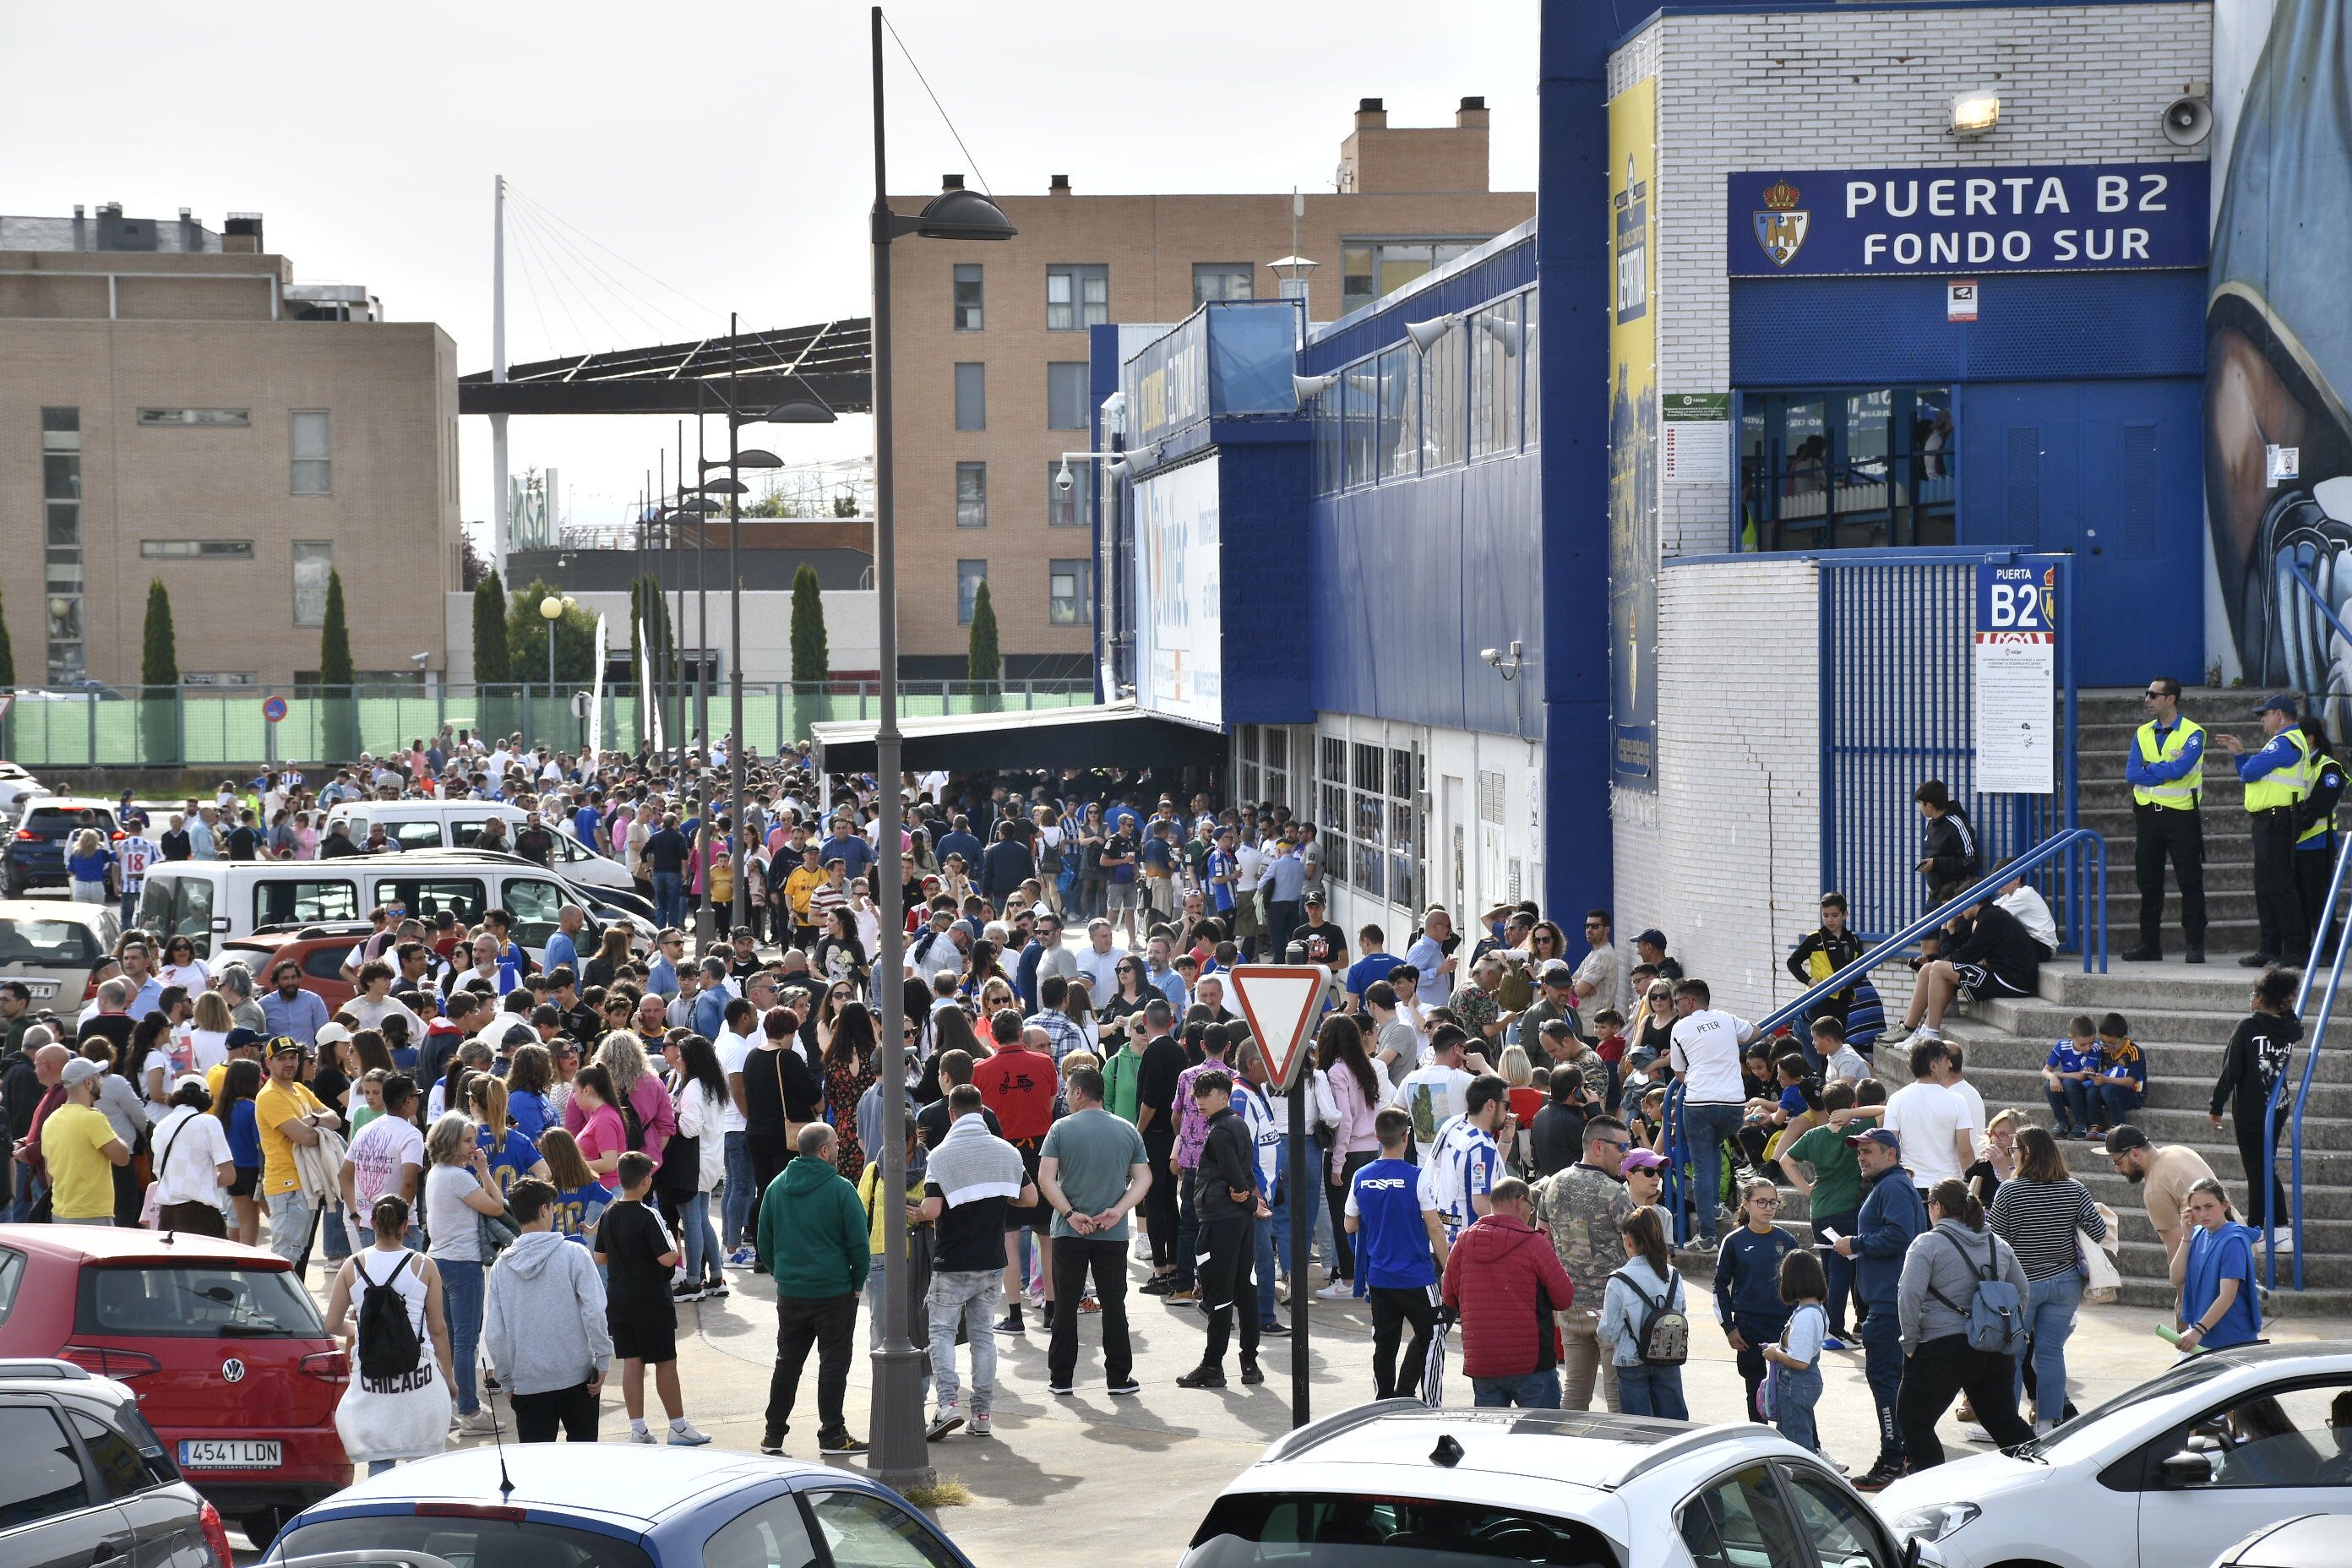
52	945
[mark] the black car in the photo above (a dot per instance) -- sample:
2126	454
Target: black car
87	1483
43	834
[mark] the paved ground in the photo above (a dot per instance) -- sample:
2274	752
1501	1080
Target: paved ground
1056	1470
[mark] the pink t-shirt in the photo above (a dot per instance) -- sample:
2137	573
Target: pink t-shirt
601	1133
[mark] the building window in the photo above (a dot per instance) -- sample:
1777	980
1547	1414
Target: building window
1359	388
1076	298
1325	416
1494	362
1847	468
196	549
1075	507
225	418
314	470
62	498
1066	394
314	560
1533	361
1070	592
1398	432
1223	281
967	297
218	678
1331	806
970	575
971	495
1445	417
971	396
1369	269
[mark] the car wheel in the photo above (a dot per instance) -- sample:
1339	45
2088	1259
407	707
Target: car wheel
262	1525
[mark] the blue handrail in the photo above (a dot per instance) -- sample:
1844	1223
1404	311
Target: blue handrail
2310	1069
2086	840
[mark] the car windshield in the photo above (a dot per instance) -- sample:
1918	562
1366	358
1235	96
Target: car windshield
198	1301
1317	1530
48	944
463	1542
2187	1375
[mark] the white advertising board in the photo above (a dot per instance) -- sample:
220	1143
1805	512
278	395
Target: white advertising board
1179	631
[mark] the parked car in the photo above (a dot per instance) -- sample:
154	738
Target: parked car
2314	1541
88	1482
2169	1472
1396	1484
52	946
613	1505
318	951
222	1344
17	786
458	825
36	848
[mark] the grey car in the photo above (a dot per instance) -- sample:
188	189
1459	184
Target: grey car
52	945
87	1484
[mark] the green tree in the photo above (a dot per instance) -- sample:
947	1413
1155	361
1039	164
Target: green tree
159	673
844	505
492	665
339	727
811	658
986	665
525	630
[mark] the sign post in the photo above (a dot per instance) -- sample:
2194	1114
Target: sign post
1282	1003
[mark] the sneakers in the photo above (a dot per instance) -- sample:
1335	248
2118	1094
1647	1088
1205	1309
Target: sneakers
1337	1290
840	1443
1184	1294
2259	961
1252	1374
1974	1432
690	1292
687	1437
1878	1478
643	1435
1157	1285
1012	1323
1832	1343
946	1421
2282	1241
2196	953
741	1257
772	1443
1202	1376
1087	1305
1274	1328
1061	1390
980	1426
1125	1387
2146	953
480	1423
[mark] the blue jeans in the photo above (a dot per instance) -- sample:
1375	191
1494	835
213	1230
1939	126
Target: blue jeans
1882	1361
669	899
461	1294
2071	1105
1707	1127
735	1197
1273	1239
334	1236
130	907
1528	1391
693	1219
2115	1099
1839	1269
1645	1390
2050	1305
1794	1395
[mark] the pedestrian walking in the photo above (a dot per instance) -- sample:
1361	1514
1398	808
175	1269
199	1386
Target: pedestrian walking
395	1405
814	1241
971	1182
1706	1055
2277	775
1226	1199
1505	1283
2166	768
1092	1170
2252	1064
2219	1306
1644	1321
544	1325
457	1189
2039	1213
1401	1250
1943	1317
1577	1208
2163	1175
639	1254
1793	1386
1891	1217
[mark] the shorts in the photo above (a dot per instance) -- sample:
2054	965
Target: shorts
1977	981
1038	1216
1122	896
652	1342
248	1178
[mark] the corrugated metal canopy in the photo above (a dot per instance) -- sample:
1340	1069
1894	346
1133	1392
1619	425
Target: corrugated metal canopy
1115	734
831	361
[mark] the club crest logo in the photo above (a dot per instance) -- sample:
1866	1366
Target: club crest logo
1780	229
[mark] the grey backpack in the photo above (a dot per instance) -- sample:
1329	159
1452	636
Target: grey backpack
1995	1315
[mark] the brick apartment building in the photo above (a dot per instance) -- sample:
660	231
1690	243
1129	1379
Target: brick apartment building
174	406
992	355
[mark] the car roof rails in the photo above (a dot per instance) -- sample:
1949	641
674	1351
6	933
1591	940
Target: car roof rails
48	1367
1293	1444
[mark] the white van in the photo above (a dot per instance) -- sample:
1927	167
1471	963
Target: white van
458	825
213	900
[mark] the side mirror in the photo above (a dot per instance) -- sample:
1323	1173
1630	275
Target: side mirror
2186	1469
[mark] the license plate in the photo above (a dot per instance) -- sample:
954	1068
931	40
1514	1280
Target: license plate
230	1454
42	990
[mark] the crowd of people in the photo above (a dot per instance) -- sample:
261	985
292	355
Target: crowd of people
519	1167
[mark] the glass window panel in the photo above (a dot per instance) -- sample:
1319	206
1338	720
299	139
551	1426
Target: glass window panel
314	559
863	1531
60	422
1355	276
1076	297
164	419
313	447
196	549
1066	394
1277	748
1531	382
65	618
1399	412
971	396
1403	840
1073	508
65	523
1840	1527
970	575
305	903
1223	281
967	297
1443	415
43	1478
971	495
1739	1523
1369	772
1399	773
1070	592
61	475
1495	357
1370	866
768	1535
1359	399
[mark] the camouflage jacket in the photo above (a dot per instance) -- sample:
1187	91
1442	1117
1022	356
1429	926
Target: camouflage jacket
1575	1206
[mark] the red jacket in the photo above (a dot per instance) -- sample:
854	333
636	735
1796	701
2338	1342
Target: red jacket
1492	1277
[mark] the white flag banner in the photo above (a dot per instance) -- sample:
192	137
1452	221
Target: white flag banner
649	719
596	708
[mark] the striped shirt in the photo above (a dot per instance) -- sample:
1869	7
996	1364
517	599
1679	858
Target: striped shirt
1463	1167
2038	1219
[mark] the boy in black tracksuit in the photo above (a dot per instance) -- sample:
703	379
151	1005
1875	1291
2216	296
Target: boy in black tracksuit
2255	1061
1225	1196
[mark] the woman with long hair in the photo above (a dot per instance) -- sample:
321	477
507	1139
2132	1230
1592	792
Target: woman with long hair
1091	834
841	953
982	965
779	1095
1358	1091
207	1036
996	994
89	866
1078	1007
529	1076
1048	840
579	1194
612	955
457	1189
148	1064
636	1090
850	1071
239	1084
512	1155
2214	1270
385	1421
698	1089
2037	1211
1648	1281
181	966
951	1030
1941	1274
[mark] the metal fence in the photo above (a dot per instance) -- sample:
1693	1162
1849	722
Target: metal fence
1899	708
174	727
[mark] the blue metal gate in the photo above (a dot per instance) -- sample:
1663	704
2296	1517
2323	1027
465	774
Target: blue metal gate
1898	694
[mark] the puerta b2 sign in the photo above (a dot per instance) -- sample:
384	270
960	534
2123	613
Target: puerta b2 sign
1899	222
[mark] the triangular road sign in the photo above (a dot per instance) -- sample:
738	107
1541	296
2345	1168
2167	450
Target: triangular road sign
1282	1003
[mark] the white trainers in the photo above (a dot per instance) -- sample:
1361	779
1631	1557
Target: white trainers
645	1437
948	1419
980	1426
478	1423
688	1437
1337	1290
2282	1241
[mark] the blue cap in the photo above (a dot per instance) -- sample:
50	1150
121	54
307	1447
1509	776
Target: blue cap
1882	1136
2283	703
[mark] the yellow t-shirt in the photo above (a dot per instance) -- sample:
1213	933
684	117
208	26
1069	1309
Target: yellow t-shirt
797	888
81	1178
213	1076
869	1193
277	1103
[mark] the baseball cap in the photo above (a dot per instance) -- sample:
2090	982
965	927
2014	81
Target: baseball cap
1313	898
331	1034
80	1069
1881	1136
740	934
285	1044
1558	973
1644	1160
2282	703
2122	1137
186	1080
1653	936
238	1039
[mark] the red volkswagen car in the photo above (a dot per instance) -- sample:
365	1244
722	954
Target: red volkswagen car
231	1364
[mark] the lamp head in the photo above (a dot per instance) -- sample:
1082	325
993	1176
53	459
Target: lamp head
551	607
1976	112
963	214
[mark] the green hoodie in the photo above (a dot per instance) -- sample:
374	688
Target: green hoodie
812	1239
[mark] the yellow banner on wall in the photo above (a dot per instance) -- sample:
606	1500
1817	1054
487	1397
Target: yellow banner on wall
1634	436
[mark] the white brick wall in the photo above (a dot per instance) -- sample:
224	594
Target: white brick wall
1869	88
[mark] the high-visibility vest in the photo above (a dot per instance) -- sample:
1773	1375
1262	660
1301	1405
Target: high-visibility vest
2322	826
2284	785
2181	793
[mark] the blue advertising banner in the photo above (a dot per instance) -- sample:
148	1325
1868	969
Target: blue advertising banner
2017	597
1894	222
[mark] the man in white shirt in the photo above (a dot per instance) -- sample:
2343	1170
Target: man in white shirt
1436	1094
735	1202
2032	912
1099	962
1706	1053
1250	862
1468	1159
1932	1118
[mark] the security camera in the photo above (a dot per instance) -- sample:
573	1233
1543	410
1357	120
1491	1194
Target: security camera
418	659
1493	656
1062	480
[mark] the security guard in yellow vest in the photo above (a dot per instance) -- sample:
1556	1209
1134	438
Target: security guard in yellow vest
2277	777
2166	770
2315	843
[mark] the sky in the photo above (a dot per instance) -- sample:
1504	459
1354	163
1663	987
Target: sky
672	162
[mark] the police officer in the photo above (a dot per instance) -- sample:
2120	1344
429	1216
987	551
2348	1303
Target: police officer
2277	777
2314	845
2166	769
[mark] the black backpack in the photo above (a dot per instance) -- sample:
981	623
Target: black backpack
388	1343
1662	1336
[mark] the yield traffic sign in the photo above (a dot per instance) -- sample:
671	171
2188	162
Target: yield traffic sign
1282	1003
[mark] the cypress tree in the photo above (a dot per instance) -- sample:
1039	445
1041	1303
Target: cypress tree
7	655
986	665
340	731
159	676
810	657
492	666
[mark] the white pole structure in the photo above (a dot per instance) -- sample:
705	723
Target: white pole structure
499	373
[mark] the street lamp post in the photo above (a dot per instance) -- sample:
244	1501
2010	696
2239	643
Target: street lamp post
897	1436
550	610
